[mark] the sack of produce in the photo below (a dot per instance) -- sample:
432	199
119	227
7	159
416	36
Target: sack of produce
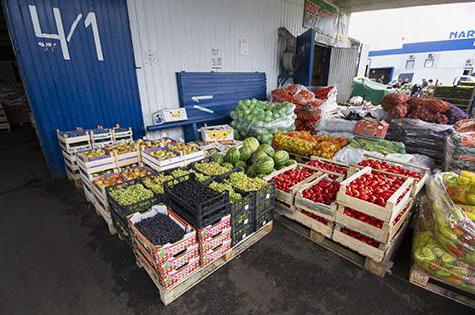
455	114
262	119
428	109
378	145
336	125
460	147
445	233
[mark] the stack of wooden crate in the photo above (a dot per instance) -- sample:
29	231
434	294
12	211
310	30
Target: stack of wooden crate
4	124
71	142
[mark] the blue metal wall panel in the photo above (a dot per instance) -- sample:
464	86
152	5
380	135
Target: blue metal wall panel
89	87
226	88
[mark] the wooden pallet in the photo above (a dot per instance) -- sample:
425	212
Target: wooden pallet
378	268
424	280
171	294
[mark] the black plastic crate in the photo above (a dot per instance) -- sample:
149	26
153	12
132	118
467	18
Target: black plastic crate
266	216
140	206
198	215
122	227
265	199
241	232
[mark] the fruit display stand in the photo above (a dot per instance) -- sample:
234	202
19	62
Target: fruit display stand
419	180
172	293
426	281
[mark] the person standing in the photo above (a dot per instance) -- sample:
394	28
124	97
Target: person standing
424	84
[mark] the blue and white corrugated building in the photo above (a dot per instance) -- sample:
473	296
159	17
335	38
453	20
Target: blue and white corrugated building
438	60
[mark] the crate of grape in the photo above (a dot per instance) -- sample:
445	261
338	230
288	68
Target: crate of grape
372	227
318	197
101	182
376	193
194	201
287	182
420	174
211	168
130	197
339	171
95	160
163	238
72	141
155	183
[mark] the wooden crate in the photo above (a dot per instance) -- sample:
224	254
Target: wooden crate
378	268
178	161
299	158
127	159
102	210
169	295
5	126
426	281
101	137
376	253
418	183
287	198
71	144
386	213
383	234
333	162
121	134
311	206
316	226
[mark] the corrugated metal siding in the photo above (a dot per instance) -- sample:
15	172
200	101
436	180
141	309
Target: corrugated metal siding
82	91
177	35
343	68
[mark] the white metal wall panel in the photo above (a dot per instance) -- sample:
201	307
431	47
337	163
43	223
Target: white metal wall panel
343	68
178	35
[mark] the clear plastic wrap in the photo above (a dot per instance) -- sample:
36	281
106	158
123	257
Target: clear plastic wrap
336	125
262	119
352	155
444	242
460	147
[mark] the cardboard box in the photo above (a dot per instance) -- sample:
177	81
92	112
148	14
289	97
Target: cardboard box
370	127
169	115
219	133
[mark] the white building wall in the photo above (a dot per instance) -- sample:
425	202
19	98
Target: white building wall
447	65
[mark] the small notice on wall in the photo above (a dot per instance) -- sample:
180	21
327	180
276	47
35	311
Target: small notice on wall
216	59
243	46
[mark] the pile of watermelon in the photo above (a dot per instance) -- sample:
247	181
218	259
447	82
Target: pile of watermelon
257	160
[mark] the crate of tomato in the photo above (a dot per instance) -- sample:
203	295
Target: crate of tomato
337	170
376	193
287	182
419	174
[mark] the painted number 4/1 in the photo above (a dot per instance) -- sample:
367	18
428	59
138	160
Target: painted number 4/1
90	20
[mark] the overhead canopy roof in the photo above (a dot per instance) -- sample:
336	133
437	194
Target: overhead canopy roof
369	5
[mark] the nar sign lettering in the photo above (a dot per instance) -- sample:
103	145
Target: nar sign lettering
462	34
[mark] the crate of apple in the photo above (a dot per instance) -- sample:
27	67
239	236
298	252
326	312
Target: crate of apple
375	193
136	172
286	183
107	180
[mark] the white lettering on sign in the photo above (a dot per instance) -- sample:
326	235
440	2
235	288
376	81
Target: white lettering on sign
90	20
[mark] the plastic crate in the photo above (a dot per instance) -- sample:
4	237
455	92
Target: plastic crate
242	231
264	218
140	206
198	215
122	227
265	199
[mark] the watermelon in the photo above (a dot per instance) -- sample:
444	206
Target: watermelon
252	143
258	155
240	164
227	165
251	171
267	148
280	157
232	156
245	153
290	162
265	165
218	158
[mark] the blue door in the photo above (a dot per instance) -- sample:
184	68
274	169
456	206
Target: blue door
77	65
305	55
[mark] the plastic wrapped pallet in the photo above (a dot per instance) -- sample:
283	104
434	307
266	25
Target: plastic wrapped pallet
460	147
444	242
420	137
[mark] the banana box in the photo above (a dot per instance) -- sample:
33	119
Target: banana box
169	115
218	133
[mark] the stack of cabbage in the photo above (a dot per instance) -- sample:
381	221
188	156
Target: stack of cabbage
262	119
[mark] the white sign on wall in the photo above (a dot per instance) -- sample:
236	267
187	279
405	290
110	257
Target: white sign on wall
216	59
243	46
